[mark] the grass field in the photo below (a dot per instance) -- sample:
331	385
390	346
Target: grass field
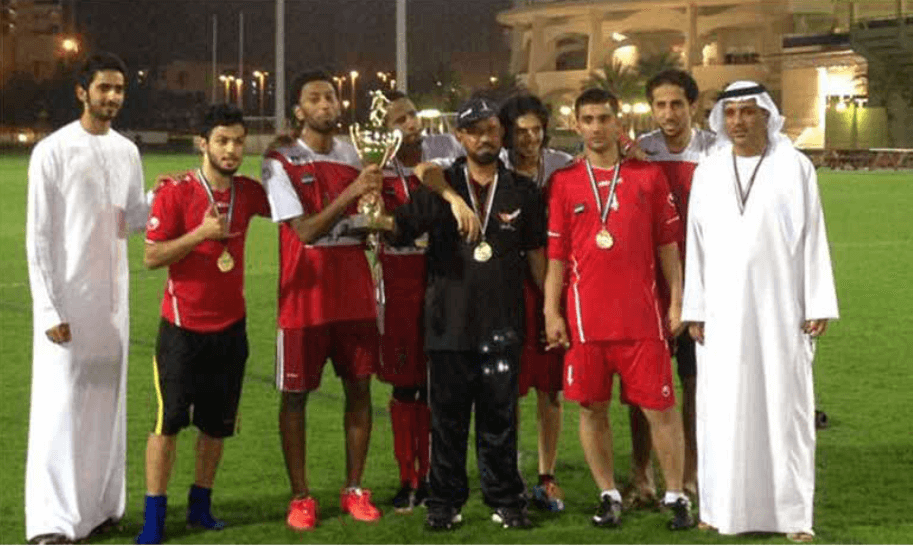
864	381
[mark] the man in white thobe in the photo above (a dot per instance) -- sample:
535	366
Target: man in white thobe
85	192
758	290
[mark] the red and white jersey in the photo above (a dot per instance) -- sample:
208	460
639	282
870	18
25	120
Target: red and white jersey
327	280
679	167
612	293
404	267
198	296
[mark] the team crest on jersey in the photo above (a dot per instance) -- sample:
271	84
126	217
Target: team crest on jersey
507	219
667	392
307	178
153	223
579	208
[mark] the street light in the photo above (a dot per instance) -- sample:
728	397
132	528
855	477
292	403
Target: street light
227	79
261	76
493	80
353	75
339	81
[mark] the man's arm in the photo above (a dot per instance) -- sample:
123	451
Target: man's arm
555	327
670	262
160	254
43	237
537	266
432	176
311	227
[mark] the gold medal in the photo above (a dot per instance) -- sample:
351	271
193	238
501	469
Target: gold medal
225	262
482	252
604	239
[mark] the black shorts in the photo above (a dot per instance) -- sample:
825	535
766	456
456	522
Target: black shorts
685	357
199	374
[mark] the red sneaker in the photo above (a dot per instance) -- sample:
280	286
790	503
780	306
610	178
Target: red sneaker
302	514
358	503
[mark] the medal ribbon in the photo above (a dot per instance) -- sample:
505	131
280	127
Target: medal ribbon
489	199
603	210
212	198
402	177
740	197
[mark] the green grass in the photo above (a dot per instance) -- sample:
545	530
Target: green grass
865	460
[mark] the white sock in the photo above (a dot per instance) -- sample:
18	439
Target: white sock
612	494
672	496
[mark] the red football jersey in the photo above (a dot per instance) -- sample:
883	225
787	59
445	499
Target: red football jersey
612	293
329	279
404	267
198	296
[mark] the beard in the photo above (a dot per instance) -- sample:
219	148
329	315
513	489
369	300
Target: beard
485	157
103	111
323	127
222	170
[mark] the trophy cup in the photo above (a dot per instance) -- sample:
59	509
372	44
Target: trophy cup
375	145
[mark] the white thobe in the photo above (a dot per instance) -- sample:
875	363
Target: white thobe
85	192
753	278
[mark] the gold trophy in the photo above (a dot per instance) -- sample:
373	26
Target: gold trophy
375	145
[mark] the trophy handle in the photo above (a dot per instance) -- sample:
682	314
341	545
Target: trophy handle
393	148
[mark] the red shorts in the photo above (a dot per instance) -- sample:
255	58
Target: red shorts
644	365
539	369
402	347
301	353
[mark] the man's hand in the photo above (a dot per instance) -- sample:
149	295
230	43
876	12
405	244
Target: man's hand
555	332
674	321
370	180
214	225
696	331
59	334
467	222
815	327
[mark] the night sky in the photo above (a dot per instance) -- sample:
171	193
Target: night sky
337	35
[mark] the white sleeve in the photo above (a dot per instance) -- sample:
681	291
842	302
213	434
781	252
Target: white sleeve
137	202
283	201
693	298
44	237
820	295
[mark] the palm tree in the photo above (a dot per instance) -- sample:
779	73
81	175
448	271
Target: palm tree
621	80
650	66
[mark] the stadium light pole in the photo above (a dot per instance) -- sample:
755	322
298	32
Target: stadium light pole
401	71
353	75
280	65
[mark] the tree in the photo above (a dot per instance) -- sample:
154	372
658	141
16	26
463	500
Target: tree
621	80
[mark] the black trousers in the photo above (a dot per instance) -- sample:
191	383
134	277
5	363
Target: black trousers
459	381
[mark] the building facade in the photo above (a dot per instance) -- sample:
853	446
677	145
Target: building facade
800	49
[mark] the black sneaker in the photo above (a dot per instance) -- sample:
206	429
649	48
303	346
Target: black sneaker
681	515
608	514
404	499
512	518
421	493
442	519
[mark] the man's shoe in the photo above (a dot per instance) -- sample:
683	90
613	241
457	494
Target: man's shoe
199	510
404	499
358	503
302	514
51	538
608	514
512	518
800	538
681	515
548	496
421	493
156	507
442	519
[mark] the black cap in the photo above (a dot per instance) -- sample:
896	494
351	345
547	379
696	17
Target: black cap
474	110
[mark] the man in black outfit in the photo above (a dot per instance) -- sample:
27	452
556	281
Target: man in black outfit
474	318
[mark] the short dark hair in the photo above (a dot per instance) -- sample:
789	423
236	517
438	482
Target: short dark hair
520	105
596	95
221	115
674	76
97	63
305	78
